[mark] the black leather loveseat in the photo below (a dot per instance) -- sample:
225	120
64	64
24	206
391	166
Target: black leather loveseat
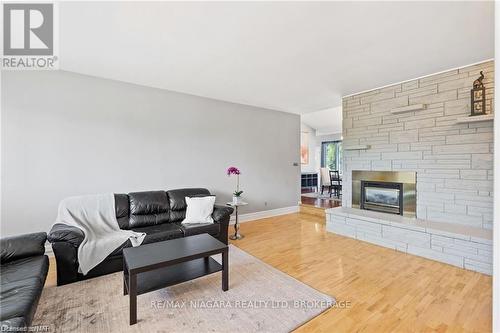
23	270
157	213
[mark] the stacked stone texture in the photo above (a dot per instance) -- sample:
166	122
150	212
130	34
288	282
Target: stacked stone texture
453	161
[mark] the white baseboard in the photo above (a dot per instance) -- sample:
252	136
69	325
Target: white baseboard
265	214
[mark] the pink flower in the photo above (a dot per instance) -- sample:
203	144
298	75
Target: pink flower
233	171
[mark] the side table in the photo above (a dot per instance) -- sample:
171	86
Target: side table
236	235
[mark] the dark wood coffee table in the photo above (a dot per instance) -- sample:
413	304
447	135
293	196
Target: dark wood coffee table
158	265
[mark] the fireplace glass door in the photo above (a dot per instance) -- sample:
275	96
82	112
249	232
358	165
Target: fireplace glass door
384	197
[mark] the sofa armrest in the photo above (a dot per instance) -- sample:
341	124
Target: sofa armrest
222	214
22	246
65	233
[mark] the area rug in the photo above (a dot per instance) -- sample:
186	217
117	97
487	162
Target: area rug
260	299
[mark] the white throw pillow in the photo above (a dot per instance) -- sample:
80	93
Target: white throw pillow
199	210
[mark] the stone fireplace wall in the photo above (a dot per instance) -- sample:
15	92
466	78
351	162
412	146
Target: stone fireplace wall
453	159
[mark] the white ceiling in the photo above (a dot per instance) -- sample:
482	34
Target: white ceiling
327	121
292	56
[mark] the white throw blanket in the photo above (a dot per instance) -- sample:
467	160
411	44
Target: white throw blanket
95	216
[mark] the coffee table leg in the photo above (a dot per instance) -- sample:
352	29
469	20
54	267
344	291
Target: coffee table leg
132	283
225	270
125	277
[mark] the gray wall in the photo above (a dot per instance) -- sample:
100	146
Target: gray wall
66	134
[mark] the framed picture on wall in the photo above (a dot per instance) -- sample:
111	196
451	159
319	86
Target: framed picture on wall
304	148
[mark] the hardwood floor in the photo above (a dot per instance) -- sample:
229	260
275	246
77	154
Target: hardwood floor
52	274
388	291
317	202
312	210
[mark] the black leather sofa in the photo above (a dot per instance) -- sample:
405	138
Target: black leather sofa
23	270
157	213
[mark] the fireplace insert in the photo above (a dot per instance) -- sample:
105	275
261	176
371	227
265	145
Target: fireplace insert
386	197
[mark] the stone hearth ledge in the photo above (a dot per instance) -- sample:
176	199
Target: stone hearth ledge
455	244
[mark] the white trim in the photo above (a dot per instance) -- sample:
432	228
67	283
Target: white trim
417	78
265	214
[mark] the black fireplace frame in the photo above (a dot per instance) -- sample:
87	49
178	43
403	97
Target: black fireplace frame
389	185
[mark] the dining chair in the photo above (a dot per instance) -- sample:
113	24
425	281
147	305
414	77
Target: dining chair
325	179
335	183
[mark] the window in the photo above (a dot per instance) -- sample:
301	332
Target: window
331	155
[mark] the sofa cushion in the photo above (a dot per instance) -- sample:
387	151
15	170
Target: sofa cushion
162	232
154	233
199	228
20	298
32	267
122	210
178	202
148	208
